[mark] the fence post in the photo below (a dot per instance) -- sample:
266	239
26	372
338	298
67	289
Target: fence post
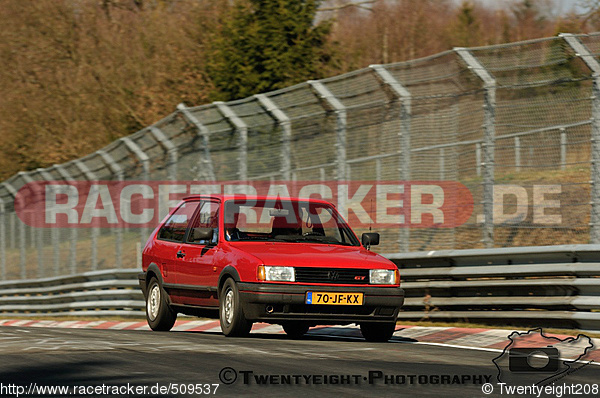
286	133
563	149
141	155
169	147
145	161
117	170
478	159
397	92
204	133
517	154
590	60
73	245
331	103
242	130
22	248
37	237
442	164
54	238
12	229
489	129
90	176
2	241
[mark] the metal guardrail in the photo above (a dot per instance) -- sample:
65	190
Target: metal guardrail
551	286
98	293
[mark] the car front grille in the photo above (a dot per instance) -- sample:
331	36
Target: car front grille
348	276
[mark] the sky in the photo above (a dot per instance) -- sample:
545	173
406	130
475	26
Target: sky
561	6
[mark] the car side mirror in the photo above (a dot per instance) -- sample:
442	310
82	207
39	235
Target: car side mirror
199	234
370	239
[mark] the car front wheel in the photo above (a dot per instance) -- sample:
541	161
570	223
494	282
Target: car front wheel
231	315
377	332
159	314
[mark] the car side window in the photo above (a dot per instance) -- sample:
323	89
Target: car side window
176	225
206	220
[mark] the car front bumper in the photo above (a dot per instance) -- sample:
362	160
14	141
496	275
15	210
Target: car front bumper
280	303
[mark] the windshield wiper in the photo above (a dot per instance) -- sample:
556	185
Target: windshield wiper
259	238
312	240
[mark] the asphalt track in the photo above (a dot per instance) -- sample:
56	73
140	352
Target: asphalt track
75	357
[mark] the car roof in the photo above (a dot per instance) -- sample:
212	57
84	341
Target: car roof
223	198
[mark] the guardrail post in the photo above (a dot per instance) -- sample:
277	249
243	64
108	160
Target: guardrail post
145	161
242	130
397	92
489	133
286	133
73	239
22	249
2	241
204	133
117	170
90	176
331	103
590	60
54	238
169	147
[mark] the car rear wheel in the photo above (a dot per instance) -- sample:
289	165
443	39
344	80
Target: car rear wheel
377	332
231	315
295	330
159	314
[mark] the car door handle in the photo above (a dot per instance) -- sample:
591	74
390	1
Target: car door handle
180	254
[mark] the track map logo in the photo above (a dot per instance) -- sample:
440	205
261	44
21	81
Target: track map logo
534	358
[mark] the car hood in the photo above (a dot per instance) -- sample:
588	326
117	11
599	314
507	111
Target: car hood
314	255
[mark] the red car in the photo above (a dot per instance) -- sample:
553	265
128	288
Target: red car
293	262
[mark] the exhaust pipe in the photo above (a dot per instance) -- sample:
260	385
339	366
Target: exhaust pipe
269	309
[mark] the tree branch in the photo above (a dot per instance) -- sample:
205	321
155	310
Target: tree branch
359	4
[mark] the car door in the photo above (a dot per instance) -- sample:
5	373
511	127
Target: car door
196	270
170	238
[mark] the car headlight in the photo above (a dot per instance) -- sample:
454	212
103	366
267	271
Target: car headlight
277	274
382	276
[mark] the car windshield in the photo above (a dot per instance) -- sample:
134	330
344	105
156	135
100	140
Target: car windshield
285	221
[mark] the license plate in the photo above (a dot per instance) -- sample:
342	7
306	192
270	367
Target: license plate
334	298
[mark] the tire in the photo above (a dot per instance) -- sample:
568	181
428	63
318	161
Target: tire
231	316
377	332
295	329
159	314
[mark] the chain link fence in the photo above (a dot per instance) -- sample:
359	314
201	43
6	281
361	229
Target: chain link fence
523	115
